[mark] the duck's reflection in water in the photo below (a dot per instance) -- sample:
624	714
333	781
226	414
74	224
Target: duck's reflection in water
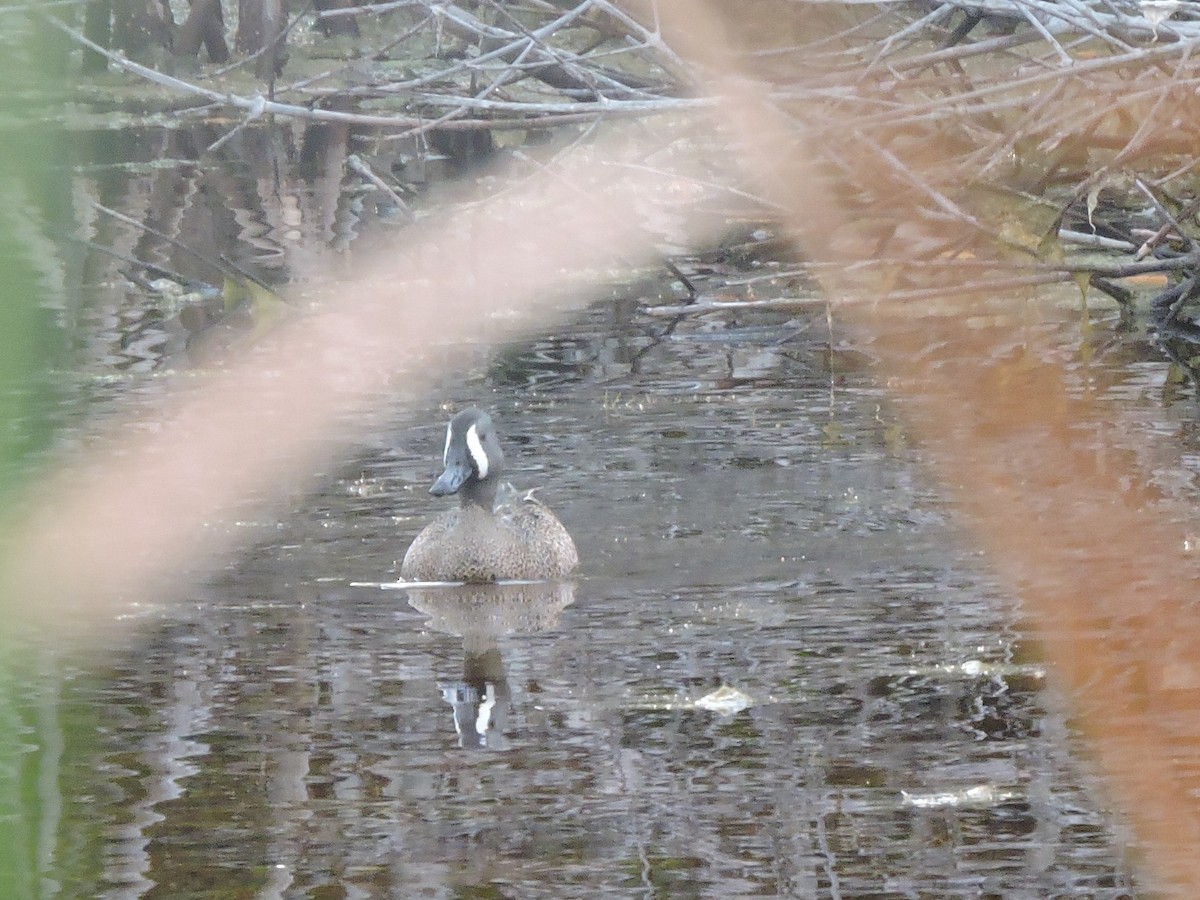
481	614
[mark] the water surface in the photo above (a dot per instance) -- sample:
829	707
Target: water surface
782	671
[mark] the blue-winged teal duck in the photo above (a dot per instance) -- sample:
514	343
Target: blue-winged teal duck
517	538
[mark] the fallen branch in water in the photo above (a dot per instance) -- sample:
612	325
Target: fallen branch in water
707	306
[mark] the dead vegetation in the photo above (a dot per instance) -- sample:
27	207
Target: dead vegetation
1051	139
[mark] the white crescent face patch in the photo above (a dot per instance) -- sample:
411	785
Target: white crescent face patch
446	450
478	456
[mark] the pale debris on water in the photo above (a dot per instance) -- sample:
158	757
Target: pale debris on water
980	795
725	700
974	668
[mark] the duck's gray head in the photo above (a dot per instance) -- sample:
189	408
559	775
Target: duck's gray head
472	458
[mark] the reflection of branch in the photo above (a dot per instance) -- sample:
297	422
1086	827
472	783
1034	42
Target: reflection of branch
224	266
155	269
356	165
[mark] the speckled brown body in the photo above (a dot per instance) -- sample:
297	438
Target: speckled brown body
515	538
519	541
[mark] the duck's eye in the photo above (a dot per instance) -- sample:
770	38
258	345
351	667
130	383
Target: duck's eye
478	454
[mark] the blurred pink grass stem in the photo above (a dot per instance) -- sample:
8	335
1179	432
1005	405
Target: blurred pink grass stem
157	495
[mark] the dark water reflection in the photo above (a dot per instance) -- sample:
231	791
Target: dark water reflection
781	672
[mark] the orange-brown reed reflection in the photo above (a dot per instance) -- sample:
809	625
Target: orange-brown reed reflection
1107	583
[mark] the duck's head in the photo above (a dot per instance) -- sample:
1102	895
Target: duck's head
472	458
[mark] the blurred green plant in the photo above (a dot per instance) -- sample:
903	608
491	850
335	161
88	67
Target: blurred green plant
35	186
36	743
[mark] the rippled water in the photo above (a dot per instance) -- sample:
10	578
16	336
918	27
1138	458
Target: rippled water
782	671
